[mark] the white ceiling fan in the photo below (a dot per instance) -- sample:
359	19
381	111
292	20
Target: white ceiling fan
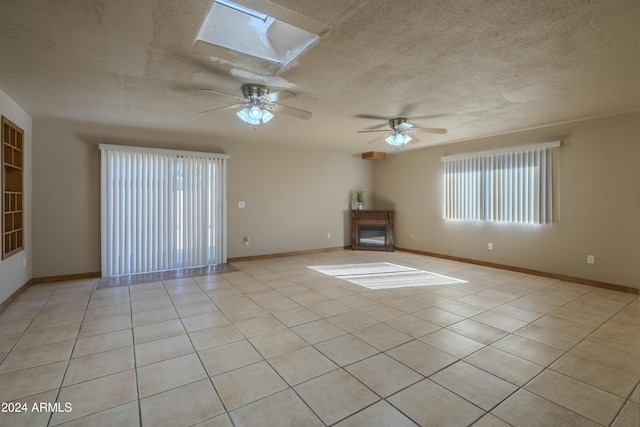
257	104
401	131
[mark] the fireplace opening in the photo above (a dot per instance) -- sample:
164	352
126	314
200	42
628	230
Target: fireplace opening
372	235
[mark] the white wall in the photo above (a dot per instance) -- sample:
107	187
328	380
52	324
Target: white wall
15	271
598	212
294	198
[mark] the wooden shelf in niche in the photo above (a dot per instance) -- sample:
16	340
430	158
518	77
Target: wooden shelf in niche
12	188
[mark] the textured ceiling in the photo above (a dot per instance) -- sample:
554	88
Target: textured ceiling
478	67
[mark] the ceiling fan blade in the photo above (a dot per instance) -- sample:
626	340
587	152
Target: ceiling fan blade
219	93
364	131
430	130
369	116
414	140
228	107
277	96
374	117
295	112
428	116
380	126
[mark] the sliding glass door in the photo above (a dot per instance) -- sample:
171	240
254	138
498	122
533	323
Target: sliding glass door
161	209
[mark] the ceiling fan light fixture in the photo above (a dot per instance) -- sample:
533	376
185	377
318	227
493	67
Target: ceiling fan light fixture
266	116
397	139
255	112
246	117
254	115
257	103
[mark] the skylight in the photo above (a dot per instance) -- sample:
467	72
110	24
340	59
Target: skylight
251	34
243	9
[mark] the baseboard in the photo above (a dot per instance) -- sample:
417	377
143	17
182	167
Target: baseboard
4	304
579	280
49	279
66	277
284	254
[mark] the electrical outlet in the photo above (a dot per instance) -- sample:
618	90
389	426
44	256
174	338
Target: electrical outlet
490	246
591	259
241	204
328	235
247	241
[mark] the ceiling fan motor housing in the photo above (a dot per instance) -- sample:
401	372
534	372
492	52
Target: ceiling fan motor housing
254	91
397	122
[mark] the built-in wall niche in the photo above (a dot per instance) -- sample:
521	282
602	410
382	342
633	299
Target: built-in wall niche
12	188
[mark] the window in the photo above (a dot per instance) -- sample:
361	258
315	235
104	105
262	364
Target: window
161	209
514	185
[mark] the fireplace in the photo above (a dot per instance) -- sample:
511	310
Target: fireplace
372	230
372	235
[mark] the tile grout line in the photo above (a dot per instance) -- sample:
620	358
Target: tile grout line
548	367
66	369
459	359
215	389
265	360
135	359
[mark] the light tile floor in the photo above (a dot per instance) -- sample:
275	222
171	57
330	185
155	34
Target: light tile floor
279	344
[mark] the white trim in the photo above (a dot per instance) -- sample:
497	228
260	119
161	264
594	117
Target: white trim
516	149
163	151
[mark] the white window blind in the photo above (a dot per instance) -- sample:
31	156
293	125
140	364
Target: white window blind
161	209
511	185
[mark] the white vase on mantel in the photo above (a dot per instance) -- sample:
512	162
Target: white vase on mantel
360	206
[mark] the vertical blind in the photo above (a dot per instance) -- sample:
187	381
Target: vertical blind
161	209
514	185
